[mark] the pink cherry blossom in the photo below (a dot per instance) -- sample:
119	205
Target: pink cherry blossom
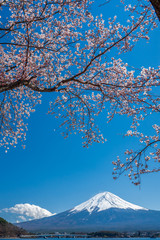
60	47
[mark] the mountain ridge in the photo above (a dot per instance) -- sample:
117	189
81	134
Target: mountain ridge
105	211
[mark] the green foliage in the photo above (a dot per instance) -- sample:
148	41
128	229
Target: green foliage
3	221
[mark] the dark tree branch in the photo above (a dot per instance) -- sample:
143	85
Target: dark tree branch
156	6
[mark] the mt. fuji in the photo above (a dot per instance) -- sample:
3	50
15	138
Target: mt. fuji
104	201
104	211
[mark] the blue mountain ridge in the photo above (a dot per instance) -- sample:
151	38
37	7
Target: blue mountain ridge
105	213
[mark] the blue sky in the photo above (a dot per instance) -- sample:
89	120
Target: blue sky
58	174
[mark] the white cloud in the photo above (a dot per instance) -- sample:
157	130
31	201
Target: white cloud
25	212
23	218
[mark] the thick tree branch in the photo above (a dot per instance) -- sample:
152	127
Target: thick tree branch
156	6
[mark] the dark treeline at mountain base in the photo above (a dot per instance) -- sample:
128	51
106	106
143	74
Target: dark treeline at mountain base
112	234
9	230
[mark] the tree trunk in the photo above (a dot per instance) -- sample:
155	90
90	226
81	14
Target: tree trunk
156	6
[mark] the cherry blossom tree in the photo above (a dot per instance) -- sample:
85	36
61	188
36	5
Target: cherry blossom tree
61	48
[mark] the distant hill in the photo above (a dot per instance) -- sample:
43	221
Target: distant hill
9	230
103	212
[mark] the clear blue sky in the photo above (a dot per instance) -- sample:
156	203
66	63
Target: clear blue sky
58	174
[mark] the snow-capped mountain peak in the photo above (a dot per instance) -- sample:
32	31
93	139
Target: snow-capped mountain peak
104	201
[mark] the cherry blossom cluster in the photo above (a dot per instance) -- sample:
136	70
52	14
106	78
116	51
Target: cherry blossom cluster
61	48
144	160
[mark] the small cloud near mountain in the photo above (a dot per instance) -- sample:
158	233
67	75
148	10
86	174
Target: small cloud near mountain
24	212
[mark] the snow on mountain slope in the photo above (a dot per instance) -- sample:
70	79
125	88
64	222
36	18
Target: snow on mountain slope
104	201
103	212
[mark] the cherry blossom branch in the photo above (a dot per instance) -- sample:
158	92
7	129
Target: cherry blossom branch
60	47
137	163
